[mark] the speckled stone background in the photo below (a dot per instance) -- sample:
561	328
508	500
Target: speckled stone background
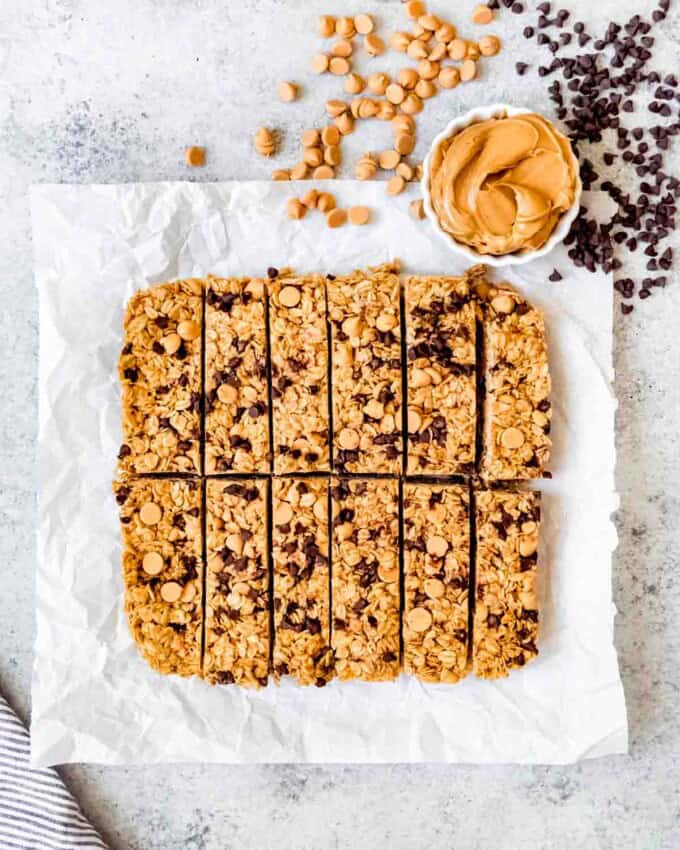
112	90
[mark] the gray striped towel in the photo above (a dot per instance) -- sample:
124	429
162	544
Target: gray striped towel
36	810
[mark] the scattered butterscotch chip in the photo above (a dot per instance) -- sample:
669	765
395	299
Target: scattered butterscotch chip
404	144
388	160
400	41
309	199
404	124
445	33
468	70
152	563
482	14
418	171
171	343
312	156
311	138
374	45
419	619
427	69
396	185
420	33
264	141
345	123
325	202
336	217
378	83
335	108
289	296
412	104
457	49
295	209
171	591
324	172
417	50
405	170
436	546
150	513
473	51
489	45
195	156
358	215
426	89
438	52
408	78
339	66
354	83
386	110
345	27
330	135
342	48
414	9
366	167
189	330
418	212
320	63
326	26
449	77
281	174
512	438
288	92
431	23
395	93
363	24
367	108
332	155
348	438
299	171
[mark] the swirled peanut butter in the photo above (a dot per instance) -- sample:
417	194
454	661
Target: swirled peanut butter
501	185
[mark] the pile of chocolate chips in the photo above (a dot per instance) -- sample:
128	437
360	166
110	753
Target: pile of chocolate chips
599	78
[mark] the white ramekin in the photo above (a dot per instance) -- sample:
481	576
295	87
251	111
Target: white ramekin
482	113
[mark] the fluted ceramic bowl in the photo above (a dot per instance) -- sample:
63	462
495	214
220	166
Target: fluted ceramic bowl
474	116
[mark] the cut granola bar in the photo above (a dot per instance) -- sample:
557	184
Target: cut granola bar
162	569
160	375
505	627
517	381
301	580
299	366
237	583
236	405
436	581
366	371
441	375
365	592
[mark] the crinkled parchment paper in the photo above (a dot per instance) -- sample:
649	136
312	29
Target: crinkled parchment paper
95	699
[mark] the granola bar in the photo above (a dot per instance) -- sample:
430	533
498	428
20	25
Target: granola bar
237	584
436	581
365	589
236	402
162	569
505	626
160	375
441	375
301	580
299	365
366	359
516	406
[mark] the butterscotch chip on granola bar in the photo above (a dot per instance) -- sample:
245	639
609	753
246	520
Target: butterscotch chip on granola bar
301	580
436	581
160	375
162	570
237	592
236	398
441	375
517	380
366	371
299	373
365	594
505	627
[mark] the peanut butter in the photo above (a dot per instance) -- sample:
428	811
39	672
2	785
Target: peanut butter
501	185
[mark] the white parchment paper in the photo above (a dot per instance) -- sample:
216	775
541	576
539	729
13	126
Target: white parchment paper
95	699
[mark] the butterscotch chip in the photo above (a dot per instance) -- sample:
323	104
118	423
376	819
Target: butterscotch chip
366	167
438	52
445	33
332	155
312	156
289	296
388	160
400	41
417	211
309	199
489	45
482	14
436	546
344	123
503	304
378	83
342	48
426	89
348	439
417	50
325	202
374	45
299	171
335	108
281	174
264	141
396	185
310	138
457	49
324	172
283	513
171	591
188	592
152	563
395	93
326	26
366	108
189	329
412	104
358	215
227	394
386	110
288	92
404	144
449	77
408	78
404	124
472	51
419	619
512	438
295	209
195	156
363	24
150	513
339	66
354	83
468	70
429	22
336	217
330	135
171	343
427	69
405	170
345	27
414	9
320	63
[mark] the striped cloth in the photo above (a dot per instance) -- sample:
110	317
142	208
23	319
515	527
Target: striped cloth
36	810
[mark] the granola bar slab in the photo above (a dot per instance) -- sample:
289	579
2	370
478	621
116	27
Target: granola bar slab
436	581
236	396
160	375
162	569
441	375
365	585
517	384
364	313
505	628
299	366
237	634
300	545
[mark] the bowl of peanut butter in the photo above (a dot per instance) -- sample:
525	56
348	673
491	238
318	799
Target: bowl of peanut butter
501	185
